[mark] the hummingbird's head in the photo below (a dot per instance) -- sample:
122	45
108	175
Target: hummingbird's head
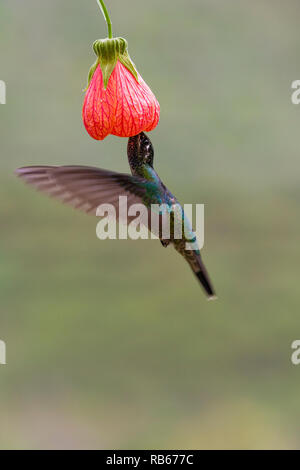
140	151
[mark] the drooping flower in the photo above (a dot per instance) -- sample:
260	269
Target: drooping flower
117	100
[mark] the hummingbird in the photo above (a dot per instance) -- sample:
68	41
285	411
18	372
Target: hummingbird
86	188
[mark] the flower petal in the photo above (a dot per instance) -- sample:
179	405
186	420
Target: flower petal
136	106
99	107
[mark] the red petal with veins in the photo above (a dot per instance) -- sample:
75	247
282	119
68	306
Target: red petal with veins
124	109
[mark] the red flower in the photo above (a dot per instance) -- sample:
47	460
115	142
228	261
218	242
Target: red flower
117	101
126	108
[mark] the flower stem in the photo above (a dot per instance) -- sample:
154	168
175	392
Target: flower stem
106	17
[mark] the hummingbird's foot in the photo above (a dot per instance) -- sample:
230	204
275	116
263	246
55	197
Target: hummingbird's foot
165	243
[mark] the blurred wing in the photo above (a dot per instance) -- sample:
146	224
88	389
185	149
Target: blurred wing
85	188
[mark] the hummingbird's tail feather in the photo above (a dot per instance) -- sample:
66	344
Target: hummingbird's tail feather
206	285
196	264
202	275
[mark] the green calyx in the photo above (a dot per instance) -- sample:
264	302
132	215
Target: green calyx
109	51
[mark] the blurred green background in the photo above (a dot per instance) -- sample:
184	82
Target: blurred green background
112	344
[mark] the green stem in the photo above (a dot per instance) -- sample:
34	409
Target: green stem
106	17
